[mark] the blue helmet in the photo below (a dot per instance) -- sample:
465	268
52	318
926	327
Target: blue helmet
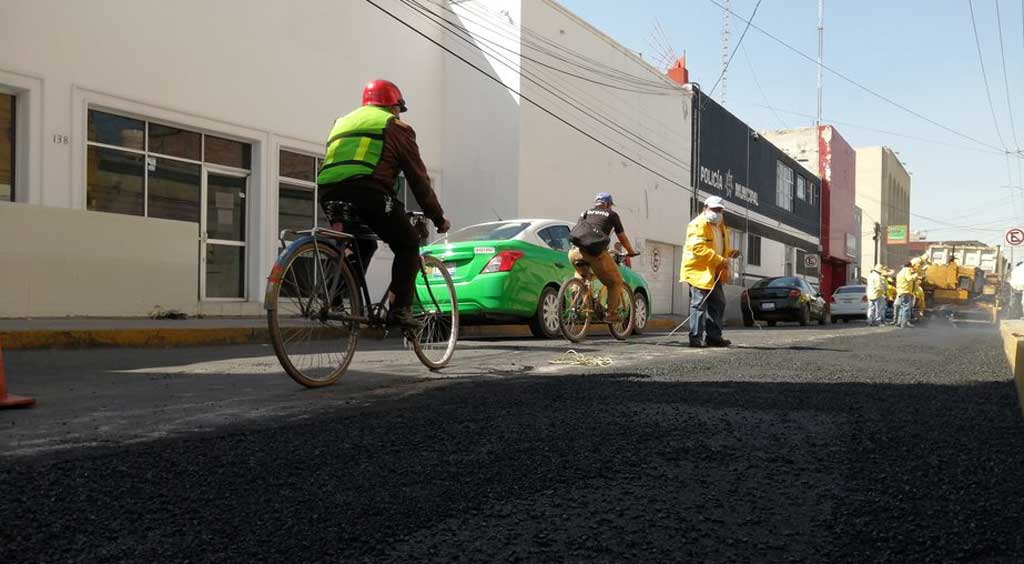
604	198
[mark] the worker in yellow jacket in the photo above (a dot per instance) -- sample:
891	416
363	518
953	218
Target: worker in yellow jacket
876	295
918	299
706	269
906	280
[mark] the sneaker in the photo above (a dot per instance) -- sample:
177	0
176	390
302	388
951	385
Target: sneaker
696	343
718	342
613	318
403	317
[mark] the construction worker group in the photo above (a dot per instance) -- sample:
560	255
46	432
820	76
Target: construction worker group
899	291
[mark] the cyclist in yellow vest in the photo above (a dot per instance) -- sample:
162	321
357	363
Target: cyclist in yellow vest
366	150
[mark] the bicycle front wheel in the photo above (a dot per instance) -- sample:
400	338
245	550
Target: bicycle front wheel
574	310
436	307
310	313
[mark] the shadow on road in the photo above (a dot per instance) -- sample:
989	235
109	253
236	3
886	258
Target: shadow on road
591	468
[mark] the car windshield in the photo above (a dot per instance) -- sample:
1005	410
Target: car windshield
851	290
488	232
778	283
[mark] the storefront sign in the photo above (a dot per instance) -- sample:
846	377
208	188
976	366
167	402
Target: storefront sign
897	235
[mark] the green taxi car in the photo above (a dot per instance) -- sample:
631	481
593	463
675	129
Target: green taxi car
510	272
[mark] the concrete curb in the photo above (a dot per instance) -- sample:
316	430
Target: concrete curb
1013	342
167	337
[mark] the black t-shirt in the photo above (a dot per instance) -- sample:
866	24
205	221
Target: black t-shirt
604	220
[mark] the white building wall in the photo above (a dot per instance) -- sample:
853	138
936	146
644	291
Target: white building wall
276	75
269	73
560	169
482	125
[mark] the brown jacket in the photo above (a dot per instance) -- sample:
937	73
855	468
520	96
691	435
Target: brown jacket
402	154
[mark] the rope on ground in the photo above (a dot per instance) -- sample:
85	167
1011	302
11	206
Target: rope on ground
574	358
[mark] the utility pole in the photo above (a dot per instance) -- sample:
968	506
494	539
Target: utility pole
878	233
821	55
726	37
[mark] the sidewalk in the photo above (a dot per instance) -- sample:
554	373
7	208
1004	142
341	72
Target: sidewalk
85	332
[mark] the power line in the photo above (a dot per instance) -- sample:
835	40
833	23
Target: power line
984	76
738	43
476	15
523	97
884	131
1006	81
764	97
420	7
514	34
861	86
614	126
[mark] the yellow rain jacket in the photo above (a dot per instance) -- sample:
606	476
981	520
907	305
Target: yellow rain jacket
876	285
701	264
918	297
906	280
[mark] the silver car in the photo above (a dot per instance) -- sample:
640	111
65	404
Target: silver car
850	302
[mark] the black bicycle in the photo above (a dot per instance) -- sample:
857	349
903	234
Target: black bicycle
317	302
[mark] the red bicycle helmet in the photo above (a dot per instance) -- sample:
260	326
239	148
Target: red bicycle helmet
383	93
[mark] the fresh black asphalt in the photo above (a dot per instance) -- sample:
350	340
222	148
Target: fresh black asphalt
900	446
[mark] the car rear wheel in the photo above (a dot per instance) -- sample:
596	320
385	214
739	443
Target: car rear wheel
772	323
544	323
641	312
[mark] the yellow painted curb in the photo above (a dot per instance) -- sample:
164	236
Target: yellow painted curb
61	339
185	337
1013	343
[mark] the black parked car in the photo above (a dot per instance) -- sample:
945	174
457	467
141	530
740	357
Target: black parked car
785	298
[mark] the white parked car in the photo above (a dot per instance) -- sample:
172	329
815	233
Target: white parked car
850	302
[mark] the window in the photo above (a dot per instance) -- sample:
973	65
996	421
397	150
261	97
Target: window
149	169
783	186
801	187
788	269
296	195
7	129
753	249
556	237
811	193
781	282
405	195
488	232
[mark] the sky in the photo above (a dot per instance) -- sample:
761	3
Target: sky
919	53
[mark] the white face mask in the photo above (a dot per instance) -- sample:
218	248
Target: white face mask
713	216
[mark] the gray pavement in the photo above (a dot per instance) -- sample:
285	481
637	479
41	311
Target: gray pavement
831	444
103	396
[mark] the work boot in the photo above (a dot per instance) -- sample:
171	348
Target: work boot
719	342
403	318
696	343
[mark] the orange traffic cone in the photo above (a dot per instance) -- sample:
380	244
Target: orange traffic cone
10	400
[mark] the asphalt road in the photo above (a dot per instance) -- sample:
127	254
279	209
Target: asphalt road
836	444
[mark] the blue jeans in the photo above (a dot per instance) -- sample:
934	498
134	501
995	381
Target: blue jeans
876	311
707	310
903	305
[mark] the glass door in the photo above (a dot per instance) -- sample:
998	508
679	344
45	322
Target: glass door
223	234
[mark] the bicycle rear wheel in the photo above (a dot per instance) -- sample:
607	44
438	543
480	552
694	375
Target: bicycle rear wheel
436	307
627	316
574	310
309	313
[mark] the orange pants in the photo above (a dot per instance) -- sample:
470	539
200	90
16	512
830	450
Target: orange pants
604	267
